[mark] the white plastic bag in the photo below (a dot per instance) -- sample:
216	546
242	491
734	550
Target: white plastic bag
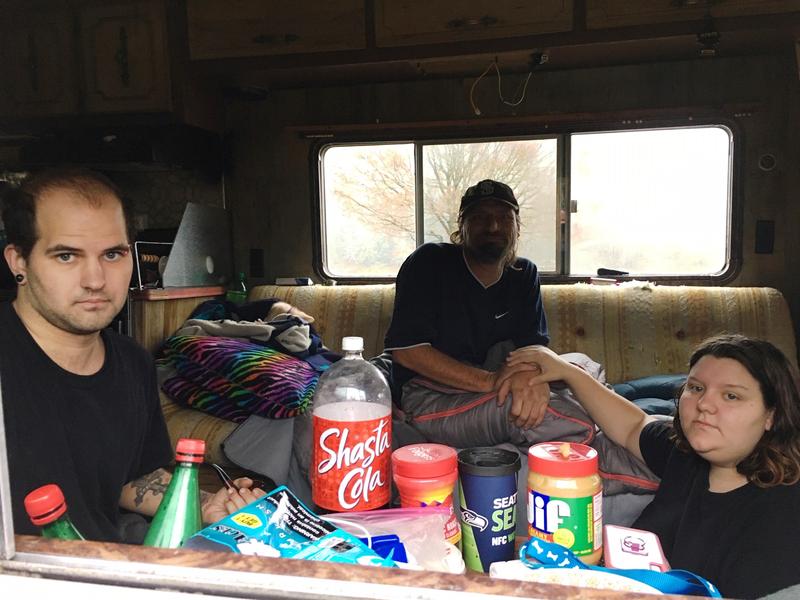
421	530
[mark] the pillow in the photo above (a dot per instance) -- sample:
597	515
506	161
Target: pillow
656	406
655	386
655	395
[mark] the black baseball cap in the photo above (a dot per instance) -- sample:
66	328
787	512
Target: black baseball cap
488	190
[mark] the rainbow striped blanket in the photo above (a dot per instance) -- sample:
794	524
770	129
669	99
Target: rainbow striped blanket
233	378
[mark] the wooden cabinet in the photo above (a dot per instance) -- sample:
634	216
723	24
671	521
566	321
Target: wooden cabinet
406	22
157	313
238	28
601	14
100	57
66	58
125	62
37	63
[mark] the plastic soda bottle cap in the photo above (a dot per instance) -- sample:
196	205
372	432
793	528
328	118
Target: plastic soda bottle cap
352	344
190	450
45	504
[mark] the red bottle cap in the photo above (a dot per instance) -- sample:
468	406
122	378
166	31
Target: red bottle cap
424	460
562	459
45	504
189	450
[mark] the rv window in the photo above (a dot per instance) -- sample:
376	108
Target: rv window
653	202
650	202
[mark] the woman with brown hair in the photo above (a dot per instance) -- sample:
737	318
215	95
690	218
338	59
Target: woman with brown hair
729	463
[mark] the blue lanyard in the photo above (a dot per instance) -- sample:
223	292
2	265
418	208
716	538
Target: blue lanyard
539	554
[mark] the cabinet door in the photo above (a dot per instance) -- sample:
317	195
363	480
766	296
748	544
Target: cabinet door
236	28
37	63
125	57
616	13
406	22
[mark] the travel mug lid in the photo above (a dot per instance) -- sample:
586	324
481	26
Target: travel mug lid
45	504
424	460
562	459
488	462
190	450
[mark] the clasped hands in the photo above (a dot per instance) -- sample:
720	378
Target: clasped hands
529	397
526	374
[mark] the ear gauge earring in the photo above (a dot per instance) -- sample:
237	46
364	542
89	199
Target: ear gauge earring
19	277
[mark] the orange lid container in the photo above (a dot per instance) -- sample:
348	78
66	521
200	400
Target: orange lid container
423	461
562	459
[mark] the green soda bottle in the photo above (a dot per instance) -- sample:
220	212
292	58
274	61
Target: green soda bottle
47	509
179	515
238	292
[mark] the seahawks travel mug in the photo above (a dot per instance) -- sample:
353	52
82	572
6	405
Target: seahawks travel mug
487	489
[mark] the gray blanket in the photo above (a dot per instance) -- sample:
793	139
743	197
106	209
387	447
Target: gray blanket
468	419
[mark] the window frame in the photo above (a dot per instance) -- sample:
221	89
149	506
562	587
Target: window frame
563	131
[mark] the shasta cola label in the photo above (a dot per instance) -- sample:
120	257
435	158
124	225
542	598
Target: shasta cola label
350	465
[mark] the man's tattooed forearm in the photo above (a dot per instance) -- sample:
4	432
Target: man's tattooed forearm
156	483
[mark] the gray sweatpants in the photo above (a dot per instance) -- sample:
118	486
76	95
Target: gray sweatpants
468	419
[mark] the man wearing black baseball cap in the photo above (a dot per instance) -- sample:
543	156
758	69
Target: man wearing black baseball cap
489	190
459	309
489	214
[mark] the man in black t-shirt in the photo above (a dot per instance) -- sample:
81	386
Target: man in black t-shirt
80	402
458	309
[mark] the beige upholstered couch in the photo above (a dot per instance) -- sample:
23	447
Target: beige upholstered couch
635	330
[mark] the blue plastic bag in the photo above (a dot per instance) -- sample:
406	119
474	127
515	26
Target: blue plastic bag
539	554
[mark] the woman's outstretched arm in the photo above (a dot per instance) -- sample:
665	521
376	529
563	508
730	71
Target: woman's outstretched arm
621	420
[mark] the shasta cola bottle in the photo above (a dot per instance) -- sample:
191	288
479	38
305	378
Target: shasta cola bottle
352	434
179	515
47	509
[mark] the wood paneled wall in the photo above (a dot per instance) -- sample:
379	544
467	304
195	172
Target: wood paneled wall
271	191
156	320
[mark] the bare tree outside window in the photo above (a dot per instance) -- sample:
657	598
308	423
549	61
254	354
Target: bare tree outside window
528	166
648	202
369	209
370	216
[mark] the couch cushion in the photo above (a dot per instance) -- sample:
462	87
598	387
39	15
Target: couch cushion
341	310
641	330
191	423
634	330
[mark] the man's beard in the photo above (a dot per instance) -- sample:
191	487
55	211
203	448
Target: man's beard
489	252
60	317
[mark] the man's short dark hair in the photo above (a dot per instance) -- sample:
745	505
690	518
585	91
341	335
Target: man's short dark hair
19	202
